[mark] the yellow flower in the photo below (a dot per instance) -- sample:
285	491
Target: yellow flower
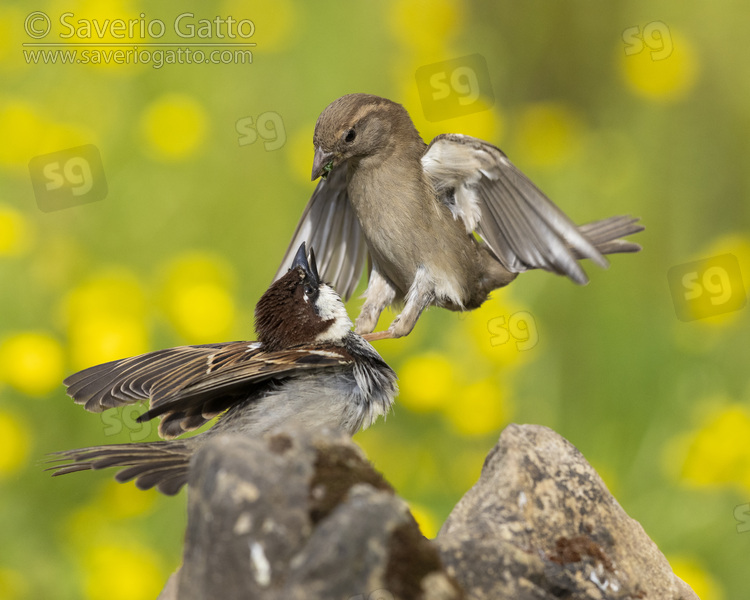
651	70
503	332
427	382
203	311
123	501
102	337
13	585
717	453
20	122
32	134
15	232
477	409
10	37
549	134
486	123
174	127
725	284
122	571
691	572
15	441
425	518
275	23
425	25
96	521
31	362
106	318
198	297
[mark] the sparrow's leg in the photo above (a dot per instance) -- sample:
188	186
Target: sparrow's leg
421	295
379	294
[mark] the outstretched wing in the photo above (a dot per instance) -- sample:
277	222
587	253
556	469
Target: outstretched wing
329	224
521	226
189	385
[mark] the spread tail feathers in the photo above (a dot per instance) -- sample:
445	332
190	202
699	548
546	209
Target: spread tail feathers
606	234
160	464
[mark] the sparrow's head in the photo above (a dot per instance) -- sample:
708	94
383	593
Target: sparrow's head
299	309
355	126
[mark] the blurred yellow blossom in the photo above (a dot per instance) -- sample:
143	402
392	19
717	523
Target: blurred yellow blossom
10	36
15	442
478	409
122	571
95	521
33	134
275	22
717	454
103	337
737	245
425	518
656	74
549	134
427	382
13	585
106	318
486	123
173	127
15	232
103	11
503	332
122	501
31	362
732	243
425	25
692	573
20	122
708	331
197	294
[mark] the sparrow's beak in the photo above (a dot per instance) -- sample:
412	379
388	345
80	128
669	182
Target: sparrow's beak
322	163
310	268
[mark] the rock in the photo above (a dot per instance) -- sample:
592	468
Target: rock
301	516
540	523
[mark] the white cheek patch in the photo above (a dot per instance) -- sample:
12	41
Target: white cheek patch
330	307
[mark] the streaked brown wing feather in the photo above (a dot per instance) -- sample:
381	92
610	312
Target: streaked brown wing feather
189	385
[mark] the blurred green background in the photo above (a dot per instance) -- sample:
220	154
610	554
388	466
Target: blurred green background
612	108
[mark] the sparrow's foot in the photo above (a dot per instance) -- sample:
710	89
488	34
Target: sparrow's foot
379	335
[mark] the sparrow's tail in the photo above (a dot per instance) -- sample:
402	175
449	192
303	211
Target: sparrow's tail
160	464
606	234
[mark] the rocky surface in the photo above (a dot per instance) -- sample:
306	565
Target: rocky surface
297	516
540	523
304	516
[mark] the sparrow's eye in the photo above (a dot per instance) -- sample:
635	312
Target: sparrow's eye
311	291
350	135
